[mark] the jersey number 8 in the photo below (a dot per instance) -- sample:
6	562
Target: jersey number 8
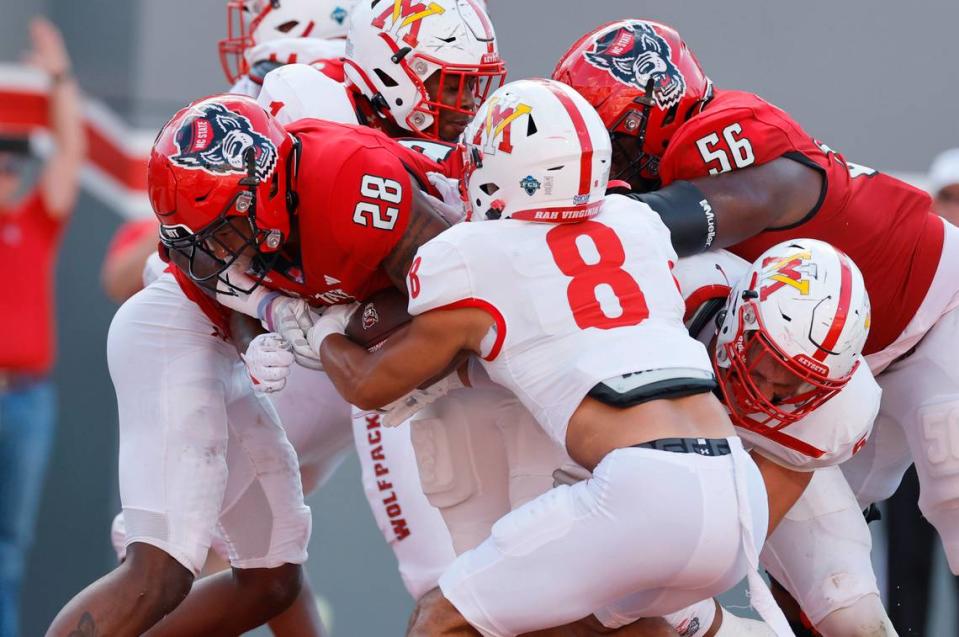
601	294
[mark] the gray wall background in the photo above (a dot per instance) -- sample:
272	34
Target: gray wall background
875	80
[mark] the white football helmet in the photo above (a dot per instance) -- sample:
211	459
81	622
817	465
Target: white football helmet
798	319
253	25
395	46
536	151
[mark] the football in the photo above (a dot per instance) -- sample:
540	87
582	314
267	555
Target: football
377	318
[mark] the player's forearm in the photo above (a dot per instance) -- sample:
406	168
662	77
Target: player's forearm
358	376
66	118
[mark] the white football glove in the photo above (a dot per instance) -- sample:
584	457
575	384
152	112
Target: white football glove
292	319
268	359
333	321
570	474
402	409
452	207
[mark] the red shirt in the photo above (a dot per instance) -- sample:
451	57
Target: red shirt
355	196
883	224
29	238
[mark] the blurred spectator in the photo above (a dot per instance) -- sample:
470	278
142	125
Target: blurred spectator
944	185
31	227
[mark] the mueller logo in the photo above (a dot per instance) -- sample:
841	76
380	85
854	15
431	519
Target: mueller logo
215	140
783	271
710	222
495	133
407	13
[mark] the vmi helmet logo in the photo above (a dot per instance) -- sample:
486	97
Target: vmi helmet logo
794	271
634	54
496	131
215	140
406	13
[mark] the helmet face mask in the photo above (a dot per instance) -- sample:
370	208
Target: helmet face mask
219	180
791	335
251	23
757	369
428	90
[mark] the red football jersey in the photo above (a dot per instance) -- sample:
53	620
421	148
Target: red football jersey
354	186
883	224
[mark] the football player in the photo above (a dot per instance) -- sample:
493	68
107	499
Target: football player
583	282
735	171
427	94
265	34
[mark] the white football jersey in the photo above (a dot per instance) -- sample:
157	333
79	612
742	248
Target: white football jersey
296	91
828	436
574	304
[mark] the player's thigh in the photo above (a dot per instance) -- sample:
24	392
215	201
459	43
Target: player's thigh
921	392
412	527
876	470
263	521
462	463
820	551
317	423
170	373
532	454
646	521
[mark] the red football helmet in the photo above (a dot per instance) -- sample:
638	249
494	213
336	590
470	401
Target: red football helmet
644	82
218	181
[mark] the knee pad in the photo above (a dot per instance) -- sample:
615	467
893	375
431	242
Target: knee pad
865	618
444	457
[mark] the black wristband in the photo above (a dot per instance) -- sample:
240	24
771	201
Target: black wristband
685	210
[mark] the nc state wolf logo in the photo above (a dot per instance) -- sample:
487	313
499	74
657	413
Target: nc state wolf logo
635	54
216	139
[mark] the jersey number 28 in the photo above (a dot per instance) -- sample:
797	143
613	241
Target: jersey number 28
600	293
380	216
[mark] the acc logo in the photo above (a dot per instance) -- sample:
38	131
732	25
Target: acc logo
530	184
783	271
635	54
498	124
215	140
370	316
407	13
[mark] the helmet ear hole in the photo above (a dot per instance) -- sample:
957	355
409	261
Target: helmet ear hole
288	26
388	81
489	189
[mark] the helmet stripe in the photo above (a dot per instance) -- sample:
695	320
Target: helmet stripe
582	132
487	27
842	312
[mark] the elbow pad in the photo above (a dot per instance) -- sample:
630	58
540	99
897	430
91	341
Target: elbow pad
687	213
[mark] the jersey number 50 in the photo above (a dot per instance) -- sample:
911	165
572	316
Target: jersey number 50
378	215
601	294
